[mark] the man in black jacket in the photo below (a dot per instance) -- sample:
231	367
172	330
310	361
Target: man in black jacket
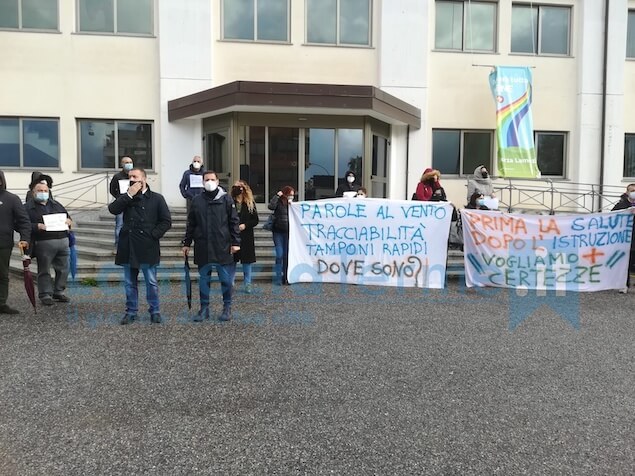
627	200
119	182
212	224
146	218
12	217
49	246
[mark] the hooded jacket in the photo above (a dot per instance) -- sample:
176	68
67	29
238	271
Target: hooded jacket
429	187
347	187
184	186
624	204
13	216
212	224
480	184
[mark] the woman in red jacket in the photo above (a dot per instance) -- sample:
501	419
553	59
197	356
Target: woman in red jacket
429	187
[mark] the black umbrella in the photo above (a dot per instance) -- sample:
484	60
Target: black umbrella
188	282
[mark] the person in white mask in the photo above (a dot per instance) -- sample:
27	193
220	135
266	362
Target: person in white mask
192	182
118	185
627	200
349	187
213	226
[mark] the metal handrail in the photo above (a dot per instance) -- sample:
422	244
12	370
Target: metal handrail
80	192
557	196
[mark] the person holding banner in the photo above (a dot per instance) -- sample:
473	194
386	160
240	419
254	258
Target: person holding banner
348	188
627	200
50	223
477	202
118	185
192	181
280	205
480	182
429	187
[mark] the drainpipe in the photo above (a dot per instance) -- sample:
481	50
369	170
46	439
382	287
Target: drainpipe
604	94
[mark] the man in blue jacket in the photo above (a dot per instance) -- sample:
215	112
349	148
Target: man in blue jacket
212	224
12	217
146	218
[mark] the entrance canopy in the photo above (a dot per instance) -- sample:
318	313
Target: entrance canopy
304	98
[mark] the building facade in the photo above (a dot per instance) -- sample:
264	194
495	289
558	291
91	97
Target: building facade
297	92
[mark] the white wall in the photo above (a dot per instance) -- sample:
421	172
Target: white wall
185	45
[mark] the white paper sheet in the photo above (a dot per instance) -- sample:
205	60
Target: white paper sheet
349	194
491	203
196	181
55	222
123	186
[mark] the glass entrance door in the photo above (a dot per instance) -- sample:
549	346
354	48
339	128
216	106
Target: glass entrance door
283	157
379	172
217	155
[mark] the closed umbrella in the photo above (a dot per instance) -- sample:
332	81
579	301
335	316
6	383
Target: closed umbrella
188	282
73	255
28	279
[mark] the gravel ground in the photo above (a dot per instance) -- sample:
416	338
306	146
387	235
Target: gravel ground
328	379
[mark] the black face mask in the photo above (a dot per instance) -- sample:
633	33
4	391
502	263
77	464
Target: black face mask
236	191
484	174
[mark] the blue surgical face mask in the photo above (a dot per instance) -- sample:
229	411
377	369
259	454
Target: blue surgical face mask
127	167
480	202
41	196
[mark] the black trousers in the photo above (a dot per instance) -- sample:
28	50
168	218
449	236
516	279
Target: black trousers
5	256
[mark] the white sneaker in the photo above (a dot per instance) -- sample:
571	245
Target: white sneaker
623	290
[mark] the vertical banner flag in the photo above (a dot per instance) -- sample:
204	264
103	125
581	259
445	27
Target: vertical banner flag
511	87
369	241
561	253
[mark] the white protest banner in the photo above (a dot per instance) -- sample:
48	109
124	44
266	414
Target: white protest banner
587	252
369	241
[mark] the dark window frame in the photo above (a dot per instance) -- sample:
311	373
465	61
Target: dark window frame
117	154
625	168
255	38
565	146
490	164
21	142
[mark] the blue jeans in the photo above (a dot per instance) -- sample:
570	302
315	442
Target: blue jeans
226	274
281	243
247	273
118	227
132	293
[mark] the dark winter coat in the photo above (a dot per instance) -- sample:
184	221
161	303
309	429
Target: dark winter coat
184	186
280	214
146	218
114	183
36	212
623	204
247	253
13	216
213	225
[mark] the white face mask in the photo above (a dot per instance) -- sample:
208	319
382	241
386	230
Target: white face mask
196	165
290	198
350	179
631	195
211	185
127	167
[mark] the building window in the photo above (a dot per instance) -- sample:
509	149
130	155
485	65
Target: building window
551	152
465	26
457	152
629	155
338	22
103	143
256	20
125	17
630	36
28	14
540	29
29	142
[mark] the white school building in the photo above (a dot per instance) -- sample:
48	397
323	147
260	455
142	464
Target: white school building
297	92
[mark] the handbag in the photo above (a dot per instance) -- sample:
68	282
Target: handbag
268	225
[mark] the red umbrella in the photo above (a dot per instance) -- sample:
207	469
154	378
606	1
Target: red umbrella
28	279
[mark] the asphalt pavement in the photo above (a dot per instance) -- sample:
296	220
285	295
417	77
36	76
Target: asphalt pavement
321	379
